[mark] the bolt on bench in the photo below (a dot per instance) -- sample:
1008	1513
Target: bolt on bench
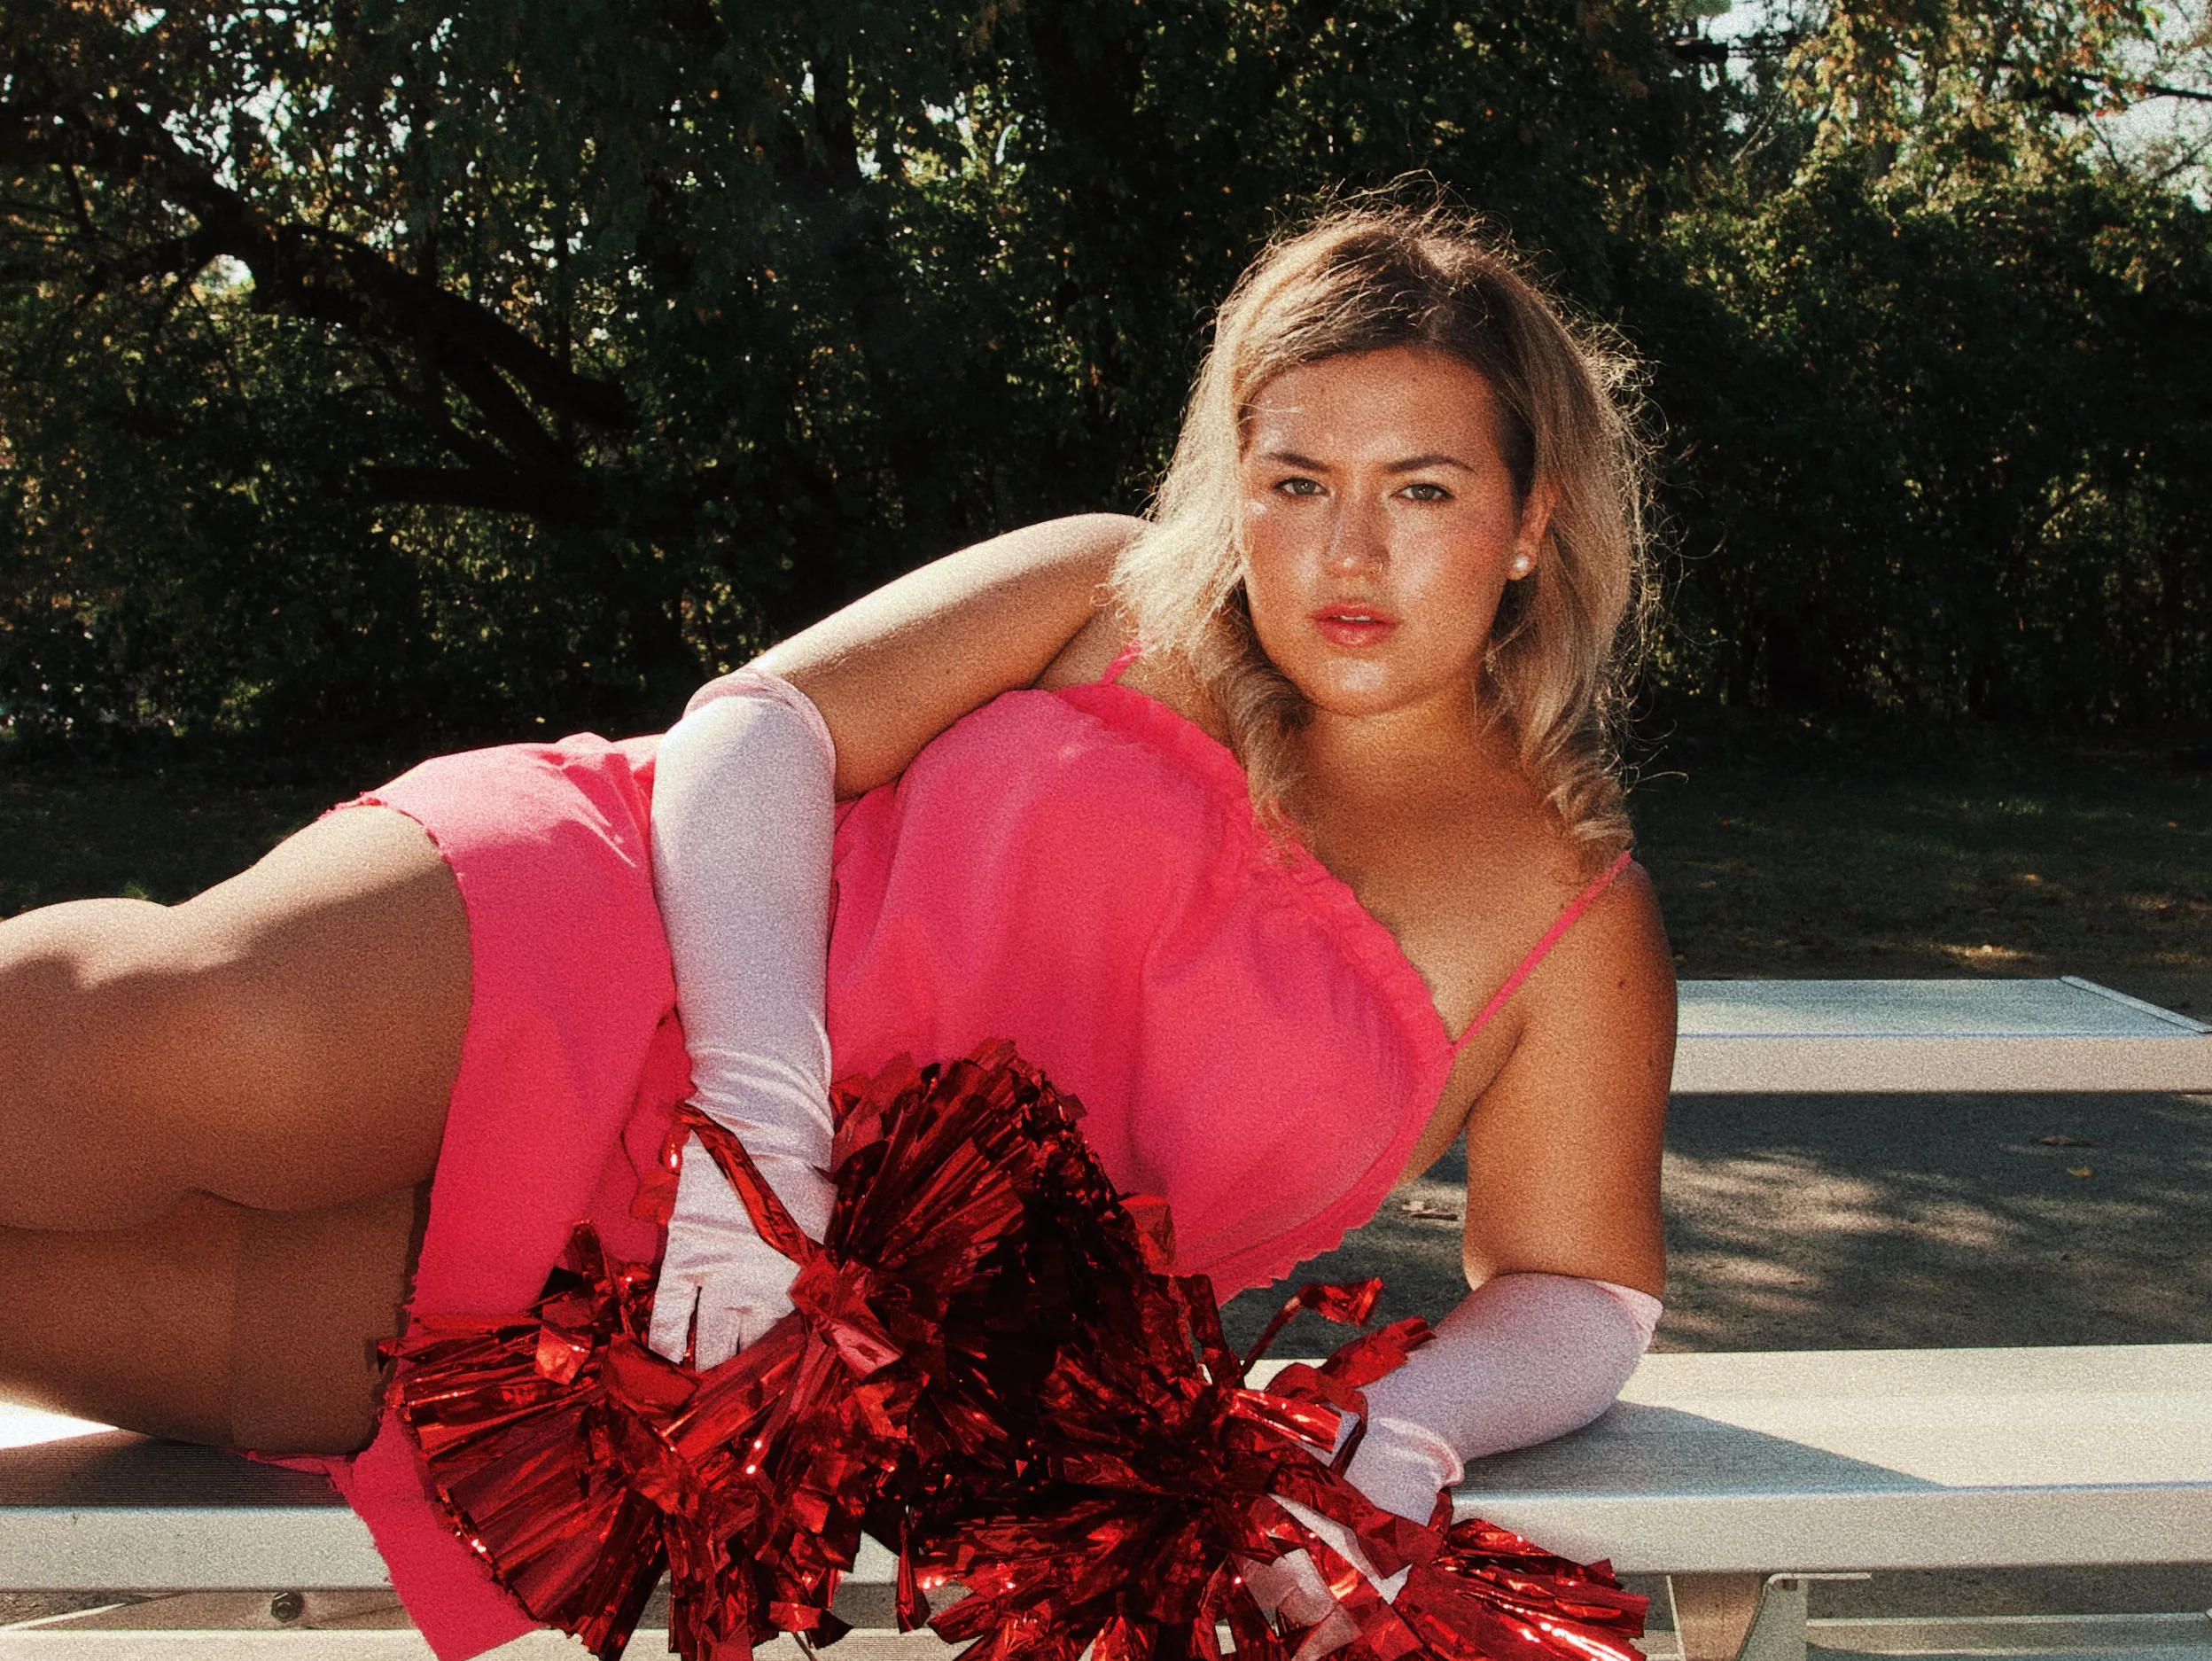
1737	1476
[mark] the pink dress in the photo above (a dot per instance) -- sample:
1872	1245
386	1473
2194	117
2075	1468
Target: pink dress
1078	870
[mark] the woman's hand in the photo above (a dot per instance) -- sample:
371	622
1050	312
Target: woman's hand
722	1286
896	667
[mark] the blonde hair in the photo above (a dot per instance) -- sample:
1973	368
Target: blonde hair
1365	280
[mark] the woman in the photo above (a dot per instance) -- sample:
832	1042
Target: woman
1390	563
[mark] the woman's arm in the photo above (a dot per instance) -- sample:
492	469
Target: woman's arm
742	830
896	666
742	823
1563	1244
1562	1148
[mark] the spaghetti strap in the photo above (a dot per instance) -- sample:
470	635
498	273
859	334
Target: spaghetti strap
1123	658
1568	918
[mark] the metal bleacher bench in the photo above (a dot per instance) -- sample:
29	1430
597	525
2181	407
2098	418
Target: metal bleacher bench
1737	1476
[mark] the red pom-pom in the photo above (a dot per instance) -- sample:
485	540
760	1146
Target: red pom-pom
991	1363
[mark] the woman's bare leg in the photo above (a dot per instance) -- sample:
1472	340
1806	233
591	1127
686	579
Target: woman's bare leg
287	1039
214	1120
214	1323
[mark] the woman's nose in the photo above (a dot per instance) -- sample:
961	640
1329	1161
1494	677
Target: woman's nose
1357	542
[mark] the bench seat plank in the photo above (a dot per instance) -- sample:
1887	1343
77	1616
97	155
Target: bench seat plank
172	1548
1891	1459
1787	1037
112	1511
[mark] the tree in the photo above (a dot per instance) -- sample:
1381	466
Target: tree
616	338
1936	372
437	368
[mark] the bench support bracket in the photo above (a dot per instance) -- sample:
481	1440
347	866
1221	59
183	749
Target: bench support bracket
1743	1617
1714	1613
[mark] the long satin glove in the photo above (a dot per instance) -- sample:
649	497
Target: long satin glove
743	800
1524	1358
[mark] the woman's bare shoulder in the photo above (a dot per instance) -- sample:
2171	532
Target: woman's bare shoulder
1530	908
1608	986
1553	873
1157	675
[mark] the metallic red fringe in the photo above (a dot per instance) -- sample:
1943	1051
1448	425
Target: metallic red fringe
991	1365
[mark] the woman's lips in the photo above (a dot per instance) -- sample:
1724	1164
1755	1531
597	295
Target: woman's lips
1352	626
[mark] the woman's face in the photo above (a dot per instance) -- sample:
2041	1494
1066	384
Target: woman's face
1380	528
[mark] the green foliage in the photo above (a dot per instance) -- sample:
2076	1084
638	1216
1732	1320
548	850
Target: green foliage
1940	449
385	366
1938	384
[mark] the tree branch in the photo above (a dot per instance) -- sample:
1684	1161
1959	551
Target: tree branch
319	274
833	119
2155	89
2150	89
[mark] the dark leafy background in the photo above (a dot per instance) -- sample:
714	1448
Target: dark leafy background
389	372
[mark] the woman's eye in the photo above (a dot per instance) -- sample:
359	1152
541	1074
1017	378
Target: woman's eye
1299	488
1426	493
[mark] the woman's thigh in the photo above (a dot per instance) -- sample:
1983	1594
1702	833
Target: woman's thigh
287	1039
213	1323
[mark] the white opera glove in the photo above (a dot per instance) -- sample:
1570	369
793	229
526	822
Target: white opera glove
742	828
1522	1359
717	1269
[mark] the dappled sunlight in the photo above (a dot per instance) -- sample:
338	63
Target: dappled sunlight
1889	1221
1757	1192
1985	956
1872	1222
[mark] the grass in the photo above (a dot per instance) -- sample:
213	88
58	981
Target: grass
1991	852
1777	850
70	833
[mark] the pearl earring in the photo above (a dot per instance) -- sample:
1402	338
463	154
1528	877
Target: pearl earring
1522	566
